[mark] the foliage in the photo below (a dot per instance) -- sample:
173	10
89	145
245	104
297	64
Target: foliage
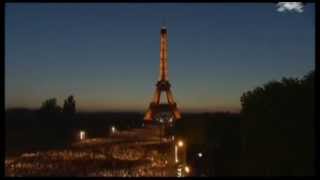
69	106
277	128
50	106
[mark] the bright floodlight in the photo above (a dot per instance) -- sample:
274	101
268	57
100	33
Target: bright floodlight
290	6
161	120
82	135
180	143
113	129
200	154
187	169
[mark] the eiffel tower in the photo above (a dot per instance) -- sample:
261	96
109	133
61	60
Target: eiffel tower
162	85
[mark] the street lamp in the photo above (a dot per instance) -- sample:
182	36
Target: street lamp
200	154
113	129
187	169
82	135
176	153
176	150
180	143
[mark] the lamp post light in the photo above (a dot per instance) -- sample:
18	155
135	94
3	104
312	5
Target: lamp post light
183	170
176	153
180	143
187	169
180	158
82	135
113	129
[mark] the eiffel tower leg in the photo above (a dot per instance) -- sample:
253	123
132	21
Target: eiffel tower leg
148	116
156	100
175	110
169	97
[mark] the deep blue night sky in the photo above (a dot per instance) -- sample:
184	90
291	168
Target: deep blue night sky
107	55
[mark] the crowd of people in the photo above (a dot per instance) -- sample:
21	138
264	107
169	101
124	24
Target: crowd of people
93	158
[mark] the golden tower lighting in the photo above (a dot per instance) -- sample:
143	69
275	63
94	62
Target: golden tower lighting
163	84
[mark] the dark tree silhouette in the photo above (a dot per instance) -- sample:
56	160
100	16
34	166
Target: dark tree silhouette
277	128
49	121
69	110
50	106
69	106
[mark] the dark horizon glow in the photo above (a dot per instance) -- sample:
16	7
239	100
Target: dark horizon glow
107	54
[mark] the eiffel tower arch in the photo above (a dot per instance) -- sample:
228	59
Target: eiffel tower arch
163	86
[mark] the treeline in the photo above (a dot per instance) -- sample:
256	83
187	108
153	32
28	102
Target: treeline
53	125
278	128
46	126
272	136
59	123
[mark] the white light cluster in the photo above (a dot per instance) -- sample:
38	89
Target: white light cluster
113	129
179	172
290	6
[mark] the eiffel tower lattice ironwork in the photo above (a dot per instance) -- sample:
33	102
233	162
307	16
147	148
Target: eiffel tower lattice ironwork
162	85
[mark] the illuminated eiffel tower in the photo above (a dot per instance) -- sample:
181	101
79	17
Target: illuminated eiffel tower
162	85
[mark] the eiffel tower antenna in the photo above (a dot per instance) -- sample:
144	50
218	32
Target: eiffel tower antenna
164	22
